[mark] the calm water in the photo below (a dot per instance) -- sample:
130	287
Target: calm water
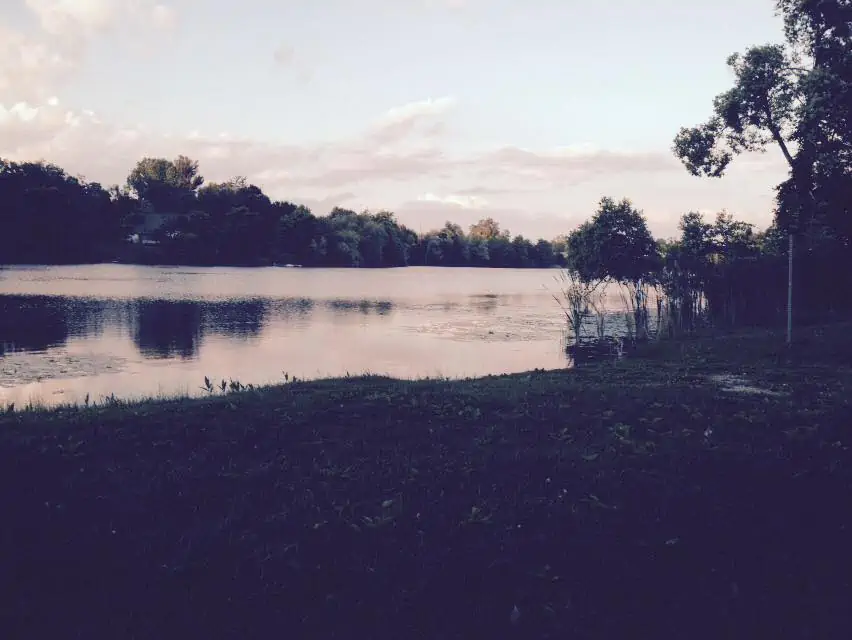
133	331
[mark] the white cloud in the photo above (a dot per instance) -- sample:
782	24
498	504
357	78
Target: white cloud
163	16
30	68
416	110
463	201
35	65
389	165
59	17
80	17
398	123
426	215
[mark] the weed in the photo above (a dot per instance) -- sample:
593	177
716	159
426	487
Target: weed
367	494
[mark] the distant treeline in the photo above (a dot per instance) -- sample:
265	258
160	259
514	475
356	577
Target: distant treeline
167	214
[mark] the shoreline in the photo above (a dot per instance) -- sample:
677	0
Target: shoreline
594	501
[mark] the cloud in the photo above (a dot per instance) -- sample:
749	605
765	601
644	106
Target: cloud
424	215
346	199
36	64
463	201
401	161
25	127
59	17
400	122
77	17
80	140
570	165
29	66
164	17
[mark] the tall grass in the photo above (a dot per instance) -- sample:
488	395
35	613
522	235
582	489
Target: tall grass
576	298
635	301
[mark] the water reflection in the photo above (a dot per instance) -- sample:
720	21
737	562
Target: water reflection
31	324
159	329
243	319
365	307
167	329
66	332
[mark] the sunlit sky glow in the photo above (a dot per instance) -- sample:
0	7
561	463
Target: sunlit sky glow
524	110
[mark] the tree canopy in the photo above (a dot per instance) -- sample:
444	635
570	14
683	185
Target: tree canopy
615	244
52	217
797	96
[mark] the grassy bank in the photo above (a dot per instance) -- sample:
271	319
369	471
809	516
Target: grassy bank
625	500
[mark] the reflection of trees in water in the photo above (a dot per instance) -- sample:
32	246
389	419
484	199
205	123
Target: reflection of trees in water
365	307
31	324
485	302
491	301
235	318
159	328
291	308
86	317
38	323
167	328
177	328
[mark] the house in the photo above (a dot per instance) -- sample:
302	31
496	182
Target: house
148	222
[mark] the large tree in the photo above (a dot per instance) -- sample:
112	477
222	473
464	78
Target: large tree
617	245
47	216
486	229
168	185
761	108
820	31
796	97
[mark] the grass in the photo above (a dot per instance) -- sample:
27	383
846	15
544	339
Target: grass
627	499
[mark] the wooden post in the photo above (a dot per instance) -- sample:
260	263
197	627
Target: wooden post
790	290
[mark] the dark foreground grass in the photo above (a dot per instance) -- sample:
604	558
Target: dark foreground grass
629	500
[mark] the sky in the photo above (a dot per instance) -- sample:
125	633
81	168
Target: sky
527	111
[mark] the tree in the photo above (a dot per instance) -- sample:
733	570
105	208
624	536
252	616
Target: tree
544	254
168	185
821	30
800	98
186	174
759	109
374	240
486	229
297	229
455	248
479	256
500	251
50	217
614	244
764	106
617	245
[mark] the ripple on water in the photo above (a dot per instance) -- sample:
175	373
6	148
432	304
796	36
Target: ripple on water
24	368
494	329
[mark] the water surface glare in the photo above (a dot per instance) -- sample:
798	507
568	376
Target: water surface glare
68	331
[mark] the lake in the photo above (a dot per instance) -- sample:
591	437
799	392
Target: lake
128	330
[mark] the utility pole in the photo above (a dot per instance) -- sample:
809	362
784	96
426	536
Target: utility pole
790	289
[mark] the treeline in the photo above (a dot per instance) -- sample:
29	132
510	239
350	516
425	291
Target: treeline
166	214
797	97
47	216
